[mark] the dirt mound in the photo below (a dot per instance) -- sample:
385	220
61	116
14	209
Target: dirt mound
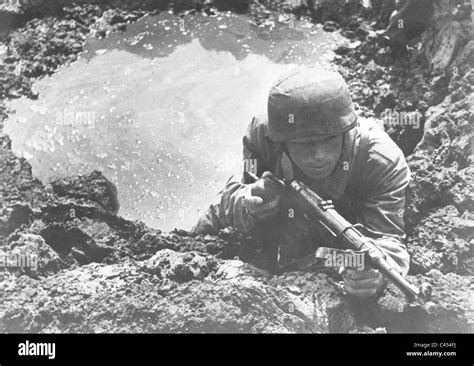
97	272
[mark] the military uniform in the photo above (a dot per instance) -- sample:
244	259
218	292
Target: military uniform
367	186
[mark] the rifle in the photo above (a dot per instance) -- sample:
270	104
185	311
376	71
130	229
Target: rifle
324	213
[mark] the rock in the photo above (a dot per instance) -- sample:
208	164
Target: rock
463	191
94	187
446	10
77	300
383	8
14	13
33	256
449	309
333	10
236	268
441	241
238	5
429	185
41	7
438	157
63	238
464	60
10	16
180	267
409	18
332	313
293	6
149	244
450	32
342	50
12	217
330	26
443	48
112	17
147	281
235	298
374	71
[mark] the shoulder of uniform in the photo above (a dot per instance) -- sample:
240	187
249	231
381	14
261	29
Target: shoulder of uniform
385	160
381	147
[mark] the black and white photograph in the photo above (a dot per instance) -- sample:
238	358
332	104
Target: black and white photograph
175	170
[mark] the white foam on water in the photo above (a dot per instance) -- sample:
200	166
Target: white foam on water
161	113
164	130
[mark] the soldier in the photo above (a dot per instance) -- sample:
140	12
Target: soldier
312	133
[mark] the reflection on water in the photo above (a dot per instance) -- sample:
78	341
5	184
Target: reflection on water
160	109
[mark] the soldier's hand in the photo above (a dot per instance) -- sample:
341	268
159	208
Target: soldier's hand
366	283
262	199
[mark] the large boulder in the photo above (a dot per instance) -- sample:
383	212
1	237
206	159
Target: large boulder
409	18
450	31
441	49
94	187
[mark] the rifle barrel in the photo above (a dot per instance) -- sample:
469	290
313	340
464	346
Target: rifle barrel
326	214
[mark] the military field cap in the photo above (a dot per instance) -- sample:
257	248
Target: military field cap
309	103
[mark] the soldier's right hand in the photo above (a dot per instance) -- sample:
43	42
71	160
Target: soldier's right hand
262	199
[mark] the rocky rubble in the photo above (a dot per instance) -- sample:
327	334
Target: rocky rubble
97	272
443	241
191	292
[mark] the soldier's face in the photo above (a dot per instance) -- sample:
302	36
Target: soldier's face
317	159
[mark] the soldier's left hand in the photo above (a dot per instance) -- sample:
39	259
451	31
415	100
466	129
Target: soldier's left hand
366	283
